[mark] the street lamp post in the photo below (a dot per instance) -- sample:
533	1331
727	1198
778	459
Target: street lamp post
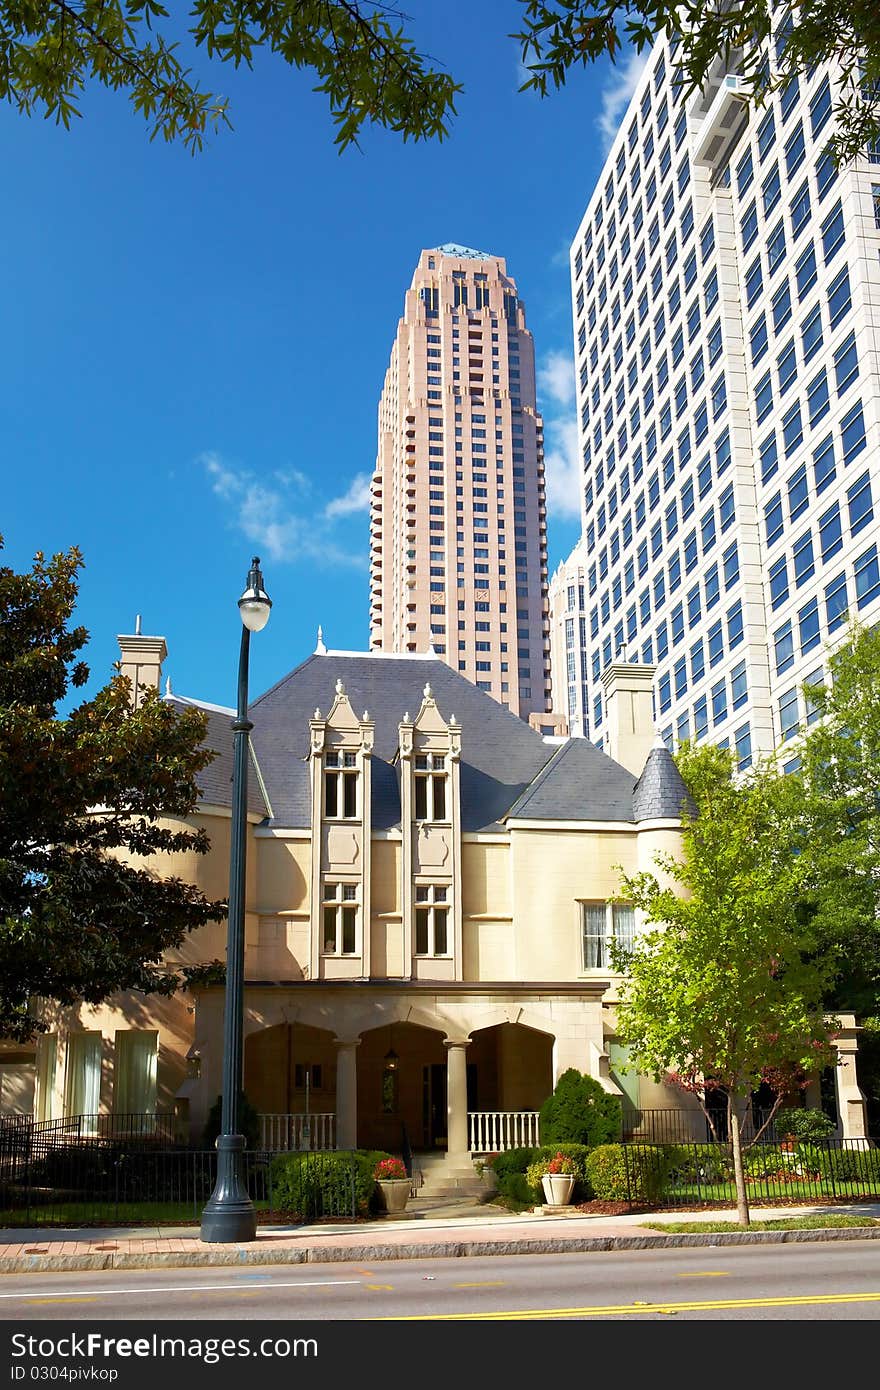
229	1213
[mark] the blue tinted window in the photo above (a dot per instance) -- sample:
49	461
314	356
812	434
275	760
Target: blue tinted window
778	582
836	603
830	532
802	557
798	493
846	364
861	509
817	397
867	575
839	299
808	626
852	433
832	232
783	648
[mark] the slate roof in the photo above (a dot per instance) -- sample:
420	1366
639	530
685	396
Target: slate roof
580	782
660	792
215	781
507	769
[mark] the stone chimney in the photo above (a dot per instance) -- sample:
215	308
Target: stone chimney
629	713
140	658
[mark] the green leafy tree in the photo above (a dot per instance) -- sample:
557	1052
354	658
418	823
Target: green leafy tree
840	773
82	914
727	980
579	1112
372	72
563	34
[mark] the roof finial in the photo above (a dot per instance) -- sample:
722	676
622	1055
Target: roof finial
320	649
137	625
366	718
340	688
168	690
427	691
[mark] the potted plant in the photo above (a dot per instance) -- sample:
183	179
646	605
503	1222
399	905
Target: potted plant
393	1182
557	1175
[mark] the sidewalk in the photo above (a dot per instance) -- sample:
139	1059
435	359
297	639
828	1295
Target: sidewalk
435	1230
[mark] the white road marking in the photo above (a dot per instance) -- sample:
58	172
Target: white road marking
180	1288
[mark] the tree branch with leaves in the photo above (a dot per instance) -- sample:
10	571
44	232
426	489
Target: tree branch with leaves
89	804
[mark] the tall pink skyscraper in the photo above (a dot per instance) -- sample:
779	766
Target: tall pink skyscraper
458	539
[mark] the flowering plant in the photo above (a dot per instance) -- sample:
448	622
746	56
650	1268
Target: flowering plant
389	1168
561	1163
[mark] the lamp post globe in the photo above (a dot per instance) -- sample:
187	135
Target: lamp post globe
229	1213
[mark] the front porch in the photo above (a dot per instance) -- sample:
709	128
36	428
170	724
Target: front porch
489	1131
438	1068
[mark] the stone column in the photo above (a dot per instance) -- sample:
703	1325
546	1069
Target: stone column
851	1108
456	1097
346	1093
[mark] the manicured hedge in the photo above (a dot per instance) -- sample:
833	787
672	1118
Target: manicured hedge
315	1184
624	1172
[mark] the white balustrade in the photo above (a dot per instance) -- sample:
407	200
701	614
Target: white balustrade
495	1131
297	1132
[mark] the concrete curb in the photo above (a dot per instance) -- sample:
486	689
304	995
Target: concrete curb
423	1250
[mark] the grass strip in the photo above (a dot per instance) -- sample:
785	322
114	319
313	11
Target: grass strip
785	1223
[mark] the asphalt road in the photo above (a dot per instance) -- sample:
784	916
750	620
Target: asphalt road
815	1281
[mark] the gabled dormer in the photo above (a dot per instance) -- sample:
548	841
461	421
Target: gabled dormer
340	747
429	753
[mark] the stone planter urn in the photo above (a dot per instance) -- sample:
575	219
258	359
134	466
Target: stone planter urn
394	1194
558	1188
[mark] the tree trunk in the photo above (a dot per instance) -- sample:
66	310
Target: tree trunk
742	1201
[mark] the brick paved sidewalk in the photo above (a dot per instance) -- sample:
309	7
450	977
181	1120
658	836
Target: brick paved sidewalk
461	1232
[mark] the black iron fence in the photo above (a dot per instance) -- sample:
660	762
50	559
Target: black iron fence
105	1182
680	1126
688	1175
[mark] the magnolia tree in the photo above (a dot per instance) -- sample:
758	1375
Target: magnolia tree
86	802
726	980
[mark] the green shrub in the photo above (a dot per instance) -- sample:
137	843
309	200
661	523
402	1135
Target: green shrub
315	1184
767	1161
842	1165
687	1164
512	1161
627	1172
579	1112
804	1124
248	1123
516	1192
510	1176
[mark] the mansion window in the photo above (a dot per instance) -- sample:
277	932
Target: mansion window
340	919
604	923
432	920
340	785
430	786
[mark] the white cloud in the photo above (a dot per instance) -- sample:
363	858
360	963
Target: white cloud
556	377
562	467
269	512
356	499
616	95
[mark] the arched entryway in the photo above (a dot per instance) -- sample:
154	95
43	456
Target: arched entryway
290	1080
401	1088
510	1075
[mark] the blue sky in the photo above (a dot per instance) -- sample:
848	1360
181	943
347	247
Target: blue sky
193	348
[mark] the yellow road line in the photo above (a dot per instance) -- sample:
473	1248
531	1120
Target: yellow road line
705	1274
792	1301
483	1284
378	1288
